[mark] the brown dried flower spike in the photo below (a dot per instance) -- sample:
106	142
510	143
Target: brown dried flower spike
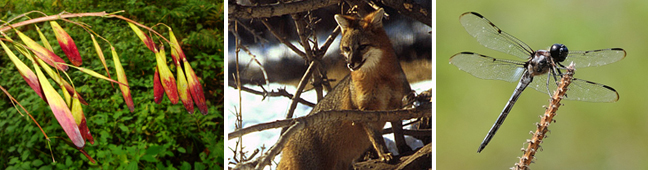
547	118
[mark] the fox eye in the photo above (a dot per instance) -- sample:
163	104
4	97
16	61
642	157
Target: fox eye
363	47
345	48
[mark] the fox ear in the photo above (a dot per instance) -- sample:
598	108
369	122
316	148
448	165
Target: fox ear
343	22
376	18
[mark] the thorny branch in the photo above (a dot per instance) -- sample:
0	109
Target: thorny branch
304	33
543	126
279	92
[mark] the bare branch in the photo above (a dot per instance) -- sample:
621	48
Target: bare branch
283	39
280	92
301	32
254	58
301	25
411	9
329	40
255	34
300	88
271	10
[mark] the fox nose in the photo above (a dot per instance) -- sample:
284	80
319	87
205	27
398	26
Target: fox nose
354	62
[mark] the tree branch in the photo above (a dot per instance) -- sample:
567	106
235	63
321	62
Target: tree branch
339	115
279	9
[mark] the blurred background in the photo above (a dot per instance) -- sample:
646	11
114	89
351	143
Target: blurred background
586	135
155	136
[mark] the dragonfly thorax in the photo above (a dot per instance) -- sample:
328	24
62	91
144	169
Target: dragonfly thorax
540	63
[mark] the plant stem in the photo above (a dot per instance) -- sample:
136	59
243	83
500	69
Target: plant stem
543	126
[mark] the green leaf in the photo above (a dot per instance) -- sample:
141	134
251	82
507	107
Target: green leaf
37	162
116	150
125	118
101	154
132	165
14	160
123	128
48	167
199	166
26	165
182	150
154	150
99	119
24	155
185	166
149	158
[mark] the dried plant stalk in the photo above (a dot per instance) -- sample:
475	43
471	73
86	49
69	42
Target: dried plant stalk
547	118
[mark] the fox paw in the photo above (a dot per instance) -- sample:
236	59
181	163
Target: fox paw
386	157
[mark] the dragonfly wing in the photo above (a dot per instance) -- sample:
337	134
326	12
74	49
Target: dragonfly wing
595	58
486	67
579	89
492	37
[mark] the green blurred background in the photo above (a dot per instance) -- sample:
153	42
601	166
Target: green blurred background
155	136
586	135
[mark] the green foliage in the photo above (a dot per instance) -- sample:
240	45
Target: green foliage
154	136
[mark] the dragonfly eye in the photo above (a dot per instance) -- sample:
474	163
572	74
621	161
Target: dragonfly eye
559	52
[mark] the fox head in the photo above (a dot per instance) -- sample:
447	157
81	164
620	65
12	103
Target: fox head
363	39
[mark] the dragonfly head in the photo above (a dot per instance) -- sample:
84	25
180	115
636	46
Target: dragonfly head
559	52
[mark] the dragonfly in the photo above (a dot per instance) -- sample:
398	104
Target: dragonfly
543	66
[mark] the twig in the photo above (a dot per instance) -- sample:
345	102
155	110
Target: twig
255	34
301	25
411	9
239	114
543	126
280	92
418	132
14	101
283	39
254	58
